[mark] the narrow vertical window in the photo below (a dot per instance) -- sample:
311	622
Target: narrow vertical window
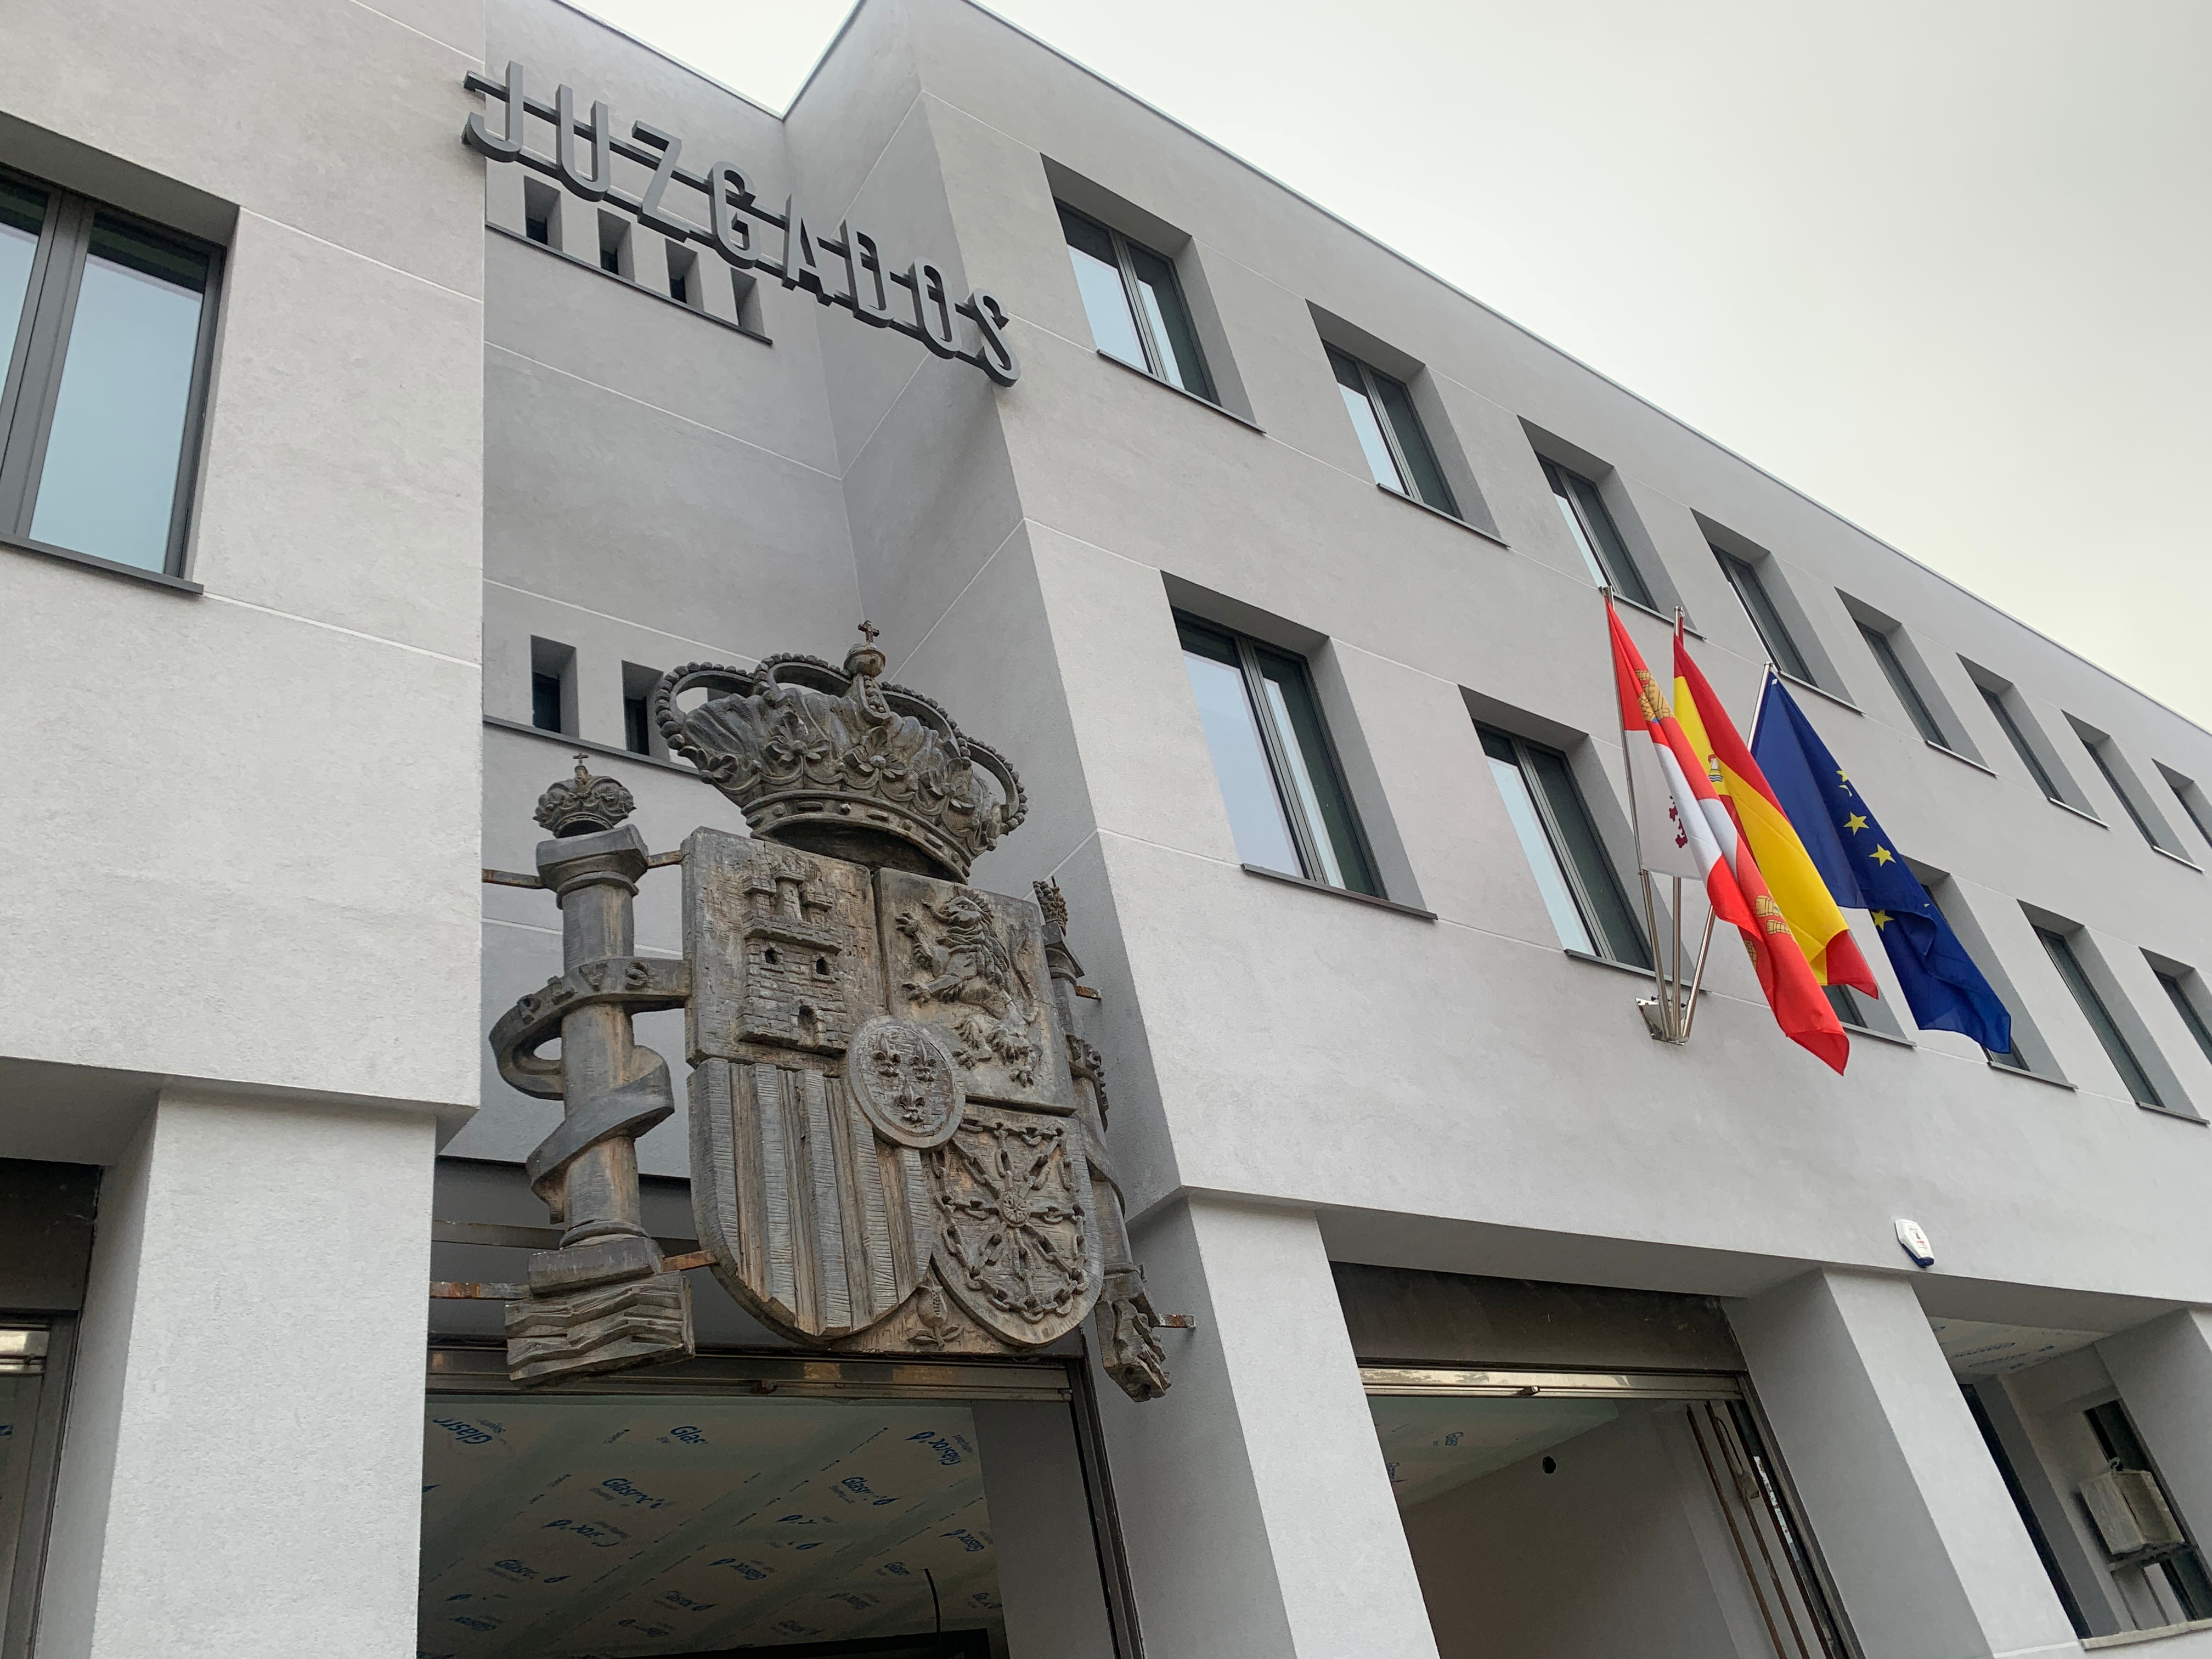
2009	723
2099	748
2177	992
2191	800
1590	521
614	244
1135	304
553	686
2060	949
1893	670
1583	896
541	213
1766	617
638	735
1288	809
109	322
1398	454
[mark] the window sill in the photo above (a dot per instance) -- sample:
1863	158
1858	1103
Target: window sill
1448	518
572	745
2178	1117
1630	968
1688	627
1879	1036
105	567
2085	817
1945	749
1808	686
598	270
2034	1077
1340	892
2128	1638
2184	863
1169	385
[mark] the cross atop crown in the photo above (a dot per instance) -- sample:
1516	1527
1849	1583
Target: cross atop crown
869	630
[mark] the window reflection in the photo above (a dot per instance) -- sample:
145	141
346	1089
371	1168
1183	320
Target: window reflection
109	484
22	210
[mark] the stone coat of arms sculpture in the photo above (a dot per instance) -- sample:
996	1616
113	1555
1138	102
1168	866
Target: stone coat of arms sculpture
897	1140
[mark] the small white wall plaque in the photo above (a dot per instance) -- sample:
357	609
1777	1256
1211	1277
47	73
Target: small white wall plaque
1914	1238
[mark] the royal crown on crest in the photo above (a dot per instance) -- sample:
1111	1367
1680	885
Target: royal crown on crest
830	759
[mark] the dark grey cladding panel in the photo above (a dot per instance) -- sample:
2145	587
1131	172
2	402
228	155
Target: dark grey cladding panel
1398	1316
46	1234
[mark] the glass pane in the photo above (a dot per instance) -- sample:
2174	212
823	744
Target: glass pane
22	211
1105	297
2018	739
1372	444
2113	780
1893	670
1574	522
1240	760
109	484
1413	444
19	1397
2178	994
1751	588
1611	551
1536	846
1623	939
1181	361
2060	949
1320	791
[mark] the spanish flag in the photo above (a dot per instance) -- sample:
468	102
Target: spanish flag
1707	835
1792	878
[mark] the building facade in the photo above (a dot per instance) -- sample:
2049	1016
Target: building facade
354	482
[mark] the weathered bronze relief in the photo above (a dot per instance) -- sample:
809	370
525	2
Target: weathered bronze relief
897	1143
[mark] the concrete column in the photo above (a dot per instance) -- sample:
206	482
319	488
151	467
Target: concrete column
1255	1509
242	1465
1049	1574
1898	1489
2164	1373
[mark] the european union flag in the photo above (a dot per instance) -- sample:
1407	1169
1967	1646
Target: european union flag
1944	989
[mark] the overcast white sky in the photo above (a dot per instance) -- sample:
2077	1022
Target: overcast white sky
1940	263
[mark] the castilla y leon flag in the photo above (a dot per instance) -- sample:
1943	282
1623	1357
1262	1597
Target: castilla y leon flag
1815	920
1709	843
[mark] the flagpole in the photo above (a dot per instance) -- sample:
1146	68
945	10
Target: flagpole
1675	974
1690	1013
1667	1013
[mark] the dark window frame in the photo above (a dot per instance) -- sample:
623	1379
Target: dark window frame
2181	788
1412	451
2134	1077
1318	753
2176	987
2107	771
37	353
1588	890
1601	539
1746	579
1918	709
1158	352
2016	735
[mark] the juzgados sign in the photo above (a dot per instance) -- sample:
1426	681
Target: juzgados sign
844	268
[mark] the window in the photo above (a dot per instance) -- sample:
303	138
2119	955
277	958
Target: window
111	321
2176	987
1596	536
614	244
638	735
1589	910
1774	633
2009	723
541	213
1287	806
1137	312
684	276
552	686
2100	751
2183	1566
1893	671
2192	798
2064	957
1390	434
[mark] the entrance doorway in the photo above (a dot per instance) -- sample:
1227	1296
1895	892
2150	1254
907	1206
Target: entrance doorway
784	1508
1563	1515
